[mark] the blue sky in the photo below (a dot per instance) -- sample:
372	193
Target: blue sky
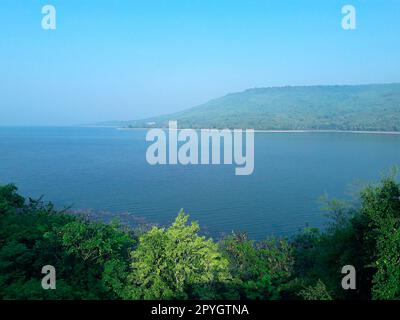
122	60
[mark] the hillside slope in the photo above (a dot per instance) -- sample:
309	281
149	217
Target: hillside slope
361	107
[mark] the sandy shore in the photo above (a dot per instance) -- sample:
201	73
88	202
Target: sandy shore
329	131
288	131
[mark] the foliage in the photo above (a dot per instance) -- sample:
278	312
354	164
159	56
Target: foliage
320	256
95	260
260	267
9	199
317	292
83	253
177	263
382	206
367	238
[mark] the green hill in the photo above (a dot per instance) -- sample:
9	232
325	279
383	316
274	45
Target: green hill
359	107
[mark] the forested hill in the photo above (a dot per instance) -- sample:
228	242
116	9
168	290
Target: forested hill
360	107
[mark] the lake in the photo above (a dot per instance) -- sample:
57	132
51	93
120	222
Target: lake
105	169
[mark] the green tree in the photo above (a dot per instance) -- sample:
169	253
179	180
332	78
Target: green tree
91	259
9	199
381	205
261	268
177	263
100	250
317	292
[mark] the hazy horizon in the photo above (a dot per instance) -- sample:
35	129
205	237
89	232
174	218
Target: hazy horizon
126	60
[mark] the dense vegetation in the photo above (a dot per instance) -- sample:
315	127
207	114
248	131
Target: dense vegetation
362	107
95	260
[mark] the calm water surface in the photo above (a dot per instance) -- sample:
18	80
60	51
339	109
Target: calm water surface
105	169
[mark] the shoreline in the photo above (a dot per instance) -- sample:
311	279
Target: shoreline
282	131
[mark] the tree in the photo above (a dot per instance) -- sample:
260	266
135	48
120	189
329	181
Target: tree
91	259
100	251
381	205
261	268
177	263
317	292
9	199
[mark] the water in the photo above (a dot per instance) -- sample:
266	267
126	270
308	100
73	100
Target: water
105	169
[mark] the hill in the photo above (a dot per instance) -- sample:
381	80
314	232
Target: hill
357	107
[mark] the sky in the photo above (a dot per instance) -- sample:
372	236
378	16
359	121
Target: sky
130	59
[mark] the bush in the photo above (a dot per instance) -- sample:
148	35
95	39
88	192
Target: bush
177	263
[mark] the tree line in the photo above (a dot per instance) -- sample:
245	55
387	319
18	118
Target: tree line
96	260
